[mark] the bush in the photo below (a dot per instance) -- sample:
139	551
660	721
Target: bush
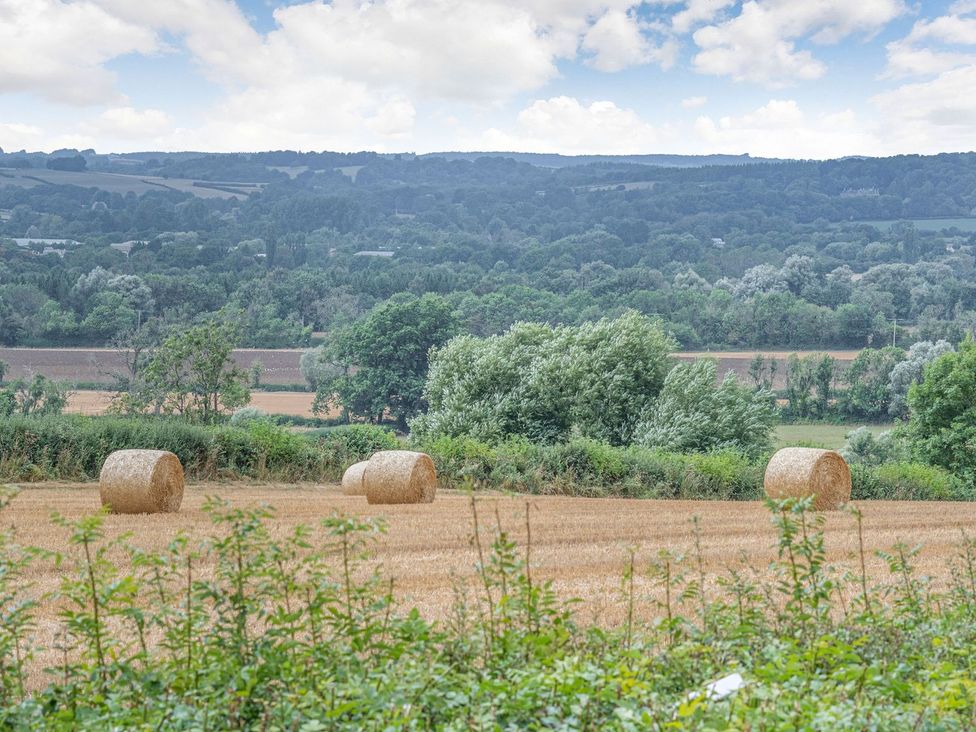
907	482
243	415
358	441
591	468
865	448
74	448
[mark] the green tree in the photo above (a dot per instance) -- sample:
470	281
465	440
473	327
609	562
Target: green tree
942	427
910	371
695	413
545	383
194	375
38	396
868	381
384	357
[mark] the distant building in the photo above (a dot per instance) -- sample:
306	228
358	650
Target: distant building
126	246
374	253
26	242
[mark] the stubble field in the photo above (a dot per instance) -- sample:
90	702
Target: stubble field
581	544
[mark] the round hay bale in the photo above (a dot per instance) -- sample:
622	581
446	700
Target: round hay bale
352	479
400	476
141	481
798	472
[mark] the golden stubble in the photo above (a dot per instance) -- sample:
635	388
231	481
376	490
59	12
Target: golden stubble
582	545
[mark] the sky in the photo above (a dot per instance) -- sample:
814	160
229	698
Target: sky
776	78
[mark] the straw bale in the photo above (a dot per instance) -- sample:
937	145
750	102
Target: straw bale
352	480
141	481
400	476
798	472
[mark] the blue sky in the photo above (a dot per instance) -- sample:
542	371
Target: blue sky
785	78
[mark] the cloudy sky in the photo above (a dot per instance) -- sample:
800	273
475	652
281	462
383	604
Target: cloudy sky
789	78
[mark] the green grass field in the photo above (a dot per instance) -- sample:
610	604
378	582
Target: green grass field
831	436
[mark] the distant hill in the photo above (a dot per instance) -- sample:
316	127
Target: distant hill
553	160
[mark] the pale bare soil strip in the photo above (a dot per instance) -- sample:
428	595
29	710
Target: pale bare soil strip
780	354
292	403
98	365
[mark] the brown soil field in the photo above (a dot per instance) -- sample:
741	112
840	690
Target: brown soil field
97	365
580	544
292	403
738	361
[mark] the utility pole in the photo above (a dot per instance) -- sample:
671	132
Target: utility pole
894	330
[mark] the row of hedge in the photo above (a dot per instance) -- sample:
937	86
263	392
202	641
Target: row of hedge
74	448
585	467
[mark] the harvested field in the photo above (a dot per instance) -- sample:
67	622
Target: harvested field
291	403
580	544
738	361
120	182
97	365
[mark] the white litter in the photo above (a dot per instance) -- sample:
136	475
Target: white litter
723	687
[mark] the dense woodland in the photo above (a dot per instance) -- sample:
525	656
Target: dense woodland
739	254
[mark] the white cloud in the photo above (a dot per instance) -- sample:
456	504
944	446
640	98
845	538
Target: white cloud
130	123
932	116
17	136
694	102
760	43
697	12
394	118
618	40
565	125
58	50
349	73
937	113
781	129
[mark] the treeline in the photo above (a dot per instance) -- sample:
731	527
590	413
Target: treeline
766	254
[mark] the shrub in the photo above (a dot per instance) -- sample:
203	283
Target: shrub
942	429
359	441
247	414
75	447
907	482
865	448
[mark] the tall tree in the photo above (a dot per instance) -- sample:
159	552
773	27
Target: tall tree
384	357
